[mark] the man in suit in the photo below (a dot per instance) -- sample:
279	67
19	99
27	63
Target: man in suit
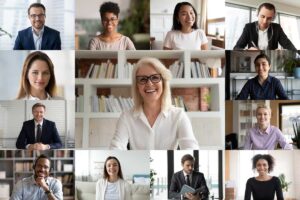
189	177
263	34
38	36
38	133
40	185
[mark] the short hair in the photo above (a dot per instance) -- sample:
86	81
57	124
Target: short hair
38	105
166	77
268	6
176	23
24	89
187	157
36	5
105	173
109	7
259	106
262	55
41	157
267	157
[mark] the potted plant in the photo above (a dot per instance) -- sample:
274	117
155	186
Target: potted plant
152	179
296	128
291	65
284	184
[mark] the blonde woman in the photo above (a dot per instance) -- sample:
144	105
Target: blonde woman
153	123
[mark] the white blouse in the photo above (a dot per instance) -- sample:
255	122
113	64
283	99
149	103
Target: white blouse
170	129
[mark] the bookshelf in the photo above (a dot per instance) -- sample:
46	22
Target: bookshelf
96	129
17	164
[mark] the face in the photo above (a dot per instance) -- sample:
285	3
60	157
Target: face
151	90
42	168
38	75
110	22
38	113
262	67
265	17
186	16
112	167
37	17
188	166
263	117
262	167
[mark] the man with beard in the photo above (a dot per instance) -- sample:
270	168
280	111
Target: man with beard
39	186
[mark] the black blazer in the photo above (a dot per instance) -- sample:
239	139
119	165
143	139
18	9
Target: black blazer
49	135
50	40
275	36
178	181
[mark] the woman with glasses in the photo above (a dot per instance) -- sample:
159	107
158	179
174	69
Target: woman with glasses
110	39
153	123
38	79
185	33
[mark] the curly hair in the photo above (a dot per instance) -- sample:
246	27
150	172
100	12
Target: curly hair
109	7
267	157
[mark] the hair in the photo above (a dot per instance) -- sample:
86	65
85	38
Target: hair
24	89
263	106
267	157
166	101
38	105
187	157
36	5
105	173
262	55
176	23
41	157
109	7
268	6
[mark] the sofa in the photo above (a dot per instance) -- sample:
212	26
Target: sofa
87	191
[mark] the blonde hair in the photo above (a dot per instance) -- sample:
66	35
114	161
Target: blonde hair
259	106
166	100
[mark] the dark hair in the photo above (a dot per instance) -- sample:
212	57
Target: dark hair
187	157
109	7
266	157
176	23
41	157
262	55
36	5
268	6
105	174
38	105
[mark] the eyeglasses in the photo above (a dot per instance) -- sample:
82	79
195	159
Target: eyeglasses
33	16
106	20
154	78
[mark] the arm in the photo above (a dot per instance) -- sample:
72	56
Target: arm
57	43
282	141
174	192
56	141
22	139
204	194
17	192
247	145
121	136
204	46
186	138
278	189
130	45
284	40
56	189
248	191
243	95
280	91
167	45
243	40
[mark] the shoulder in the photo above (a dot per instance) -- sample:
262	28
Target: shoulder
200	32
25	30
125	38
177	174
250	180
250	25
198	174
51	30
48	122
124	183
28	122
100	182
175	112
95	39
54	181
57	98
172	33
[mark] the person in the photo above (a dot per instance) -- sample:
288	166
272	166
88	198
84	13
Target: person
110	39
265	136
38	133
185	33
263	34
40	185
38	36
187	176
112	185
263	86
38	79
263	186
153	123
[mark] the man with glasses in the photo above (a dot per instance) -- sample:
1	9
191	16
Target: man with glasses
39	185
263	34
38	36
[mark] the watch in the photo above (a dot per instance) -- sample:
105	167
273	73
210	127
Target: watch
48	192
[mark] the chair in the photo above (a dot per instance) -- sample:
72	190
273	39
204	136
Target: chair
231	141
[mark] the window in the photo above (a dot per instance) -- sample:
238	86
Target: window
215	17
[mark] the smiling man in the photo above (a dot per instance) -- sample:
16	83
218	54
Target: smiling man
38	133
38	36
40	185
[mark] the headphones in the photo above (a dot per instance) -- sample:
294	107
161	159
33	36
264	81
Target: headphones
41	157
268	6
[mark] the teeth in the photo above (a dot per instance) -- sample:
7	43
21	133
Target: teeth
149	91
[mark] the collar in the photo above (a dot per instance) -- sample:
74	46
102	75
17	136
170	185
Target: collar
268	130
139	112
41	32
35	123
184	174
267	80
29	97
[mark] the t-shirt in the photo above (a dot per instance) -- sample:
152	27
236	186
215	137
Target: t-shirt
177	40
112	191
124	43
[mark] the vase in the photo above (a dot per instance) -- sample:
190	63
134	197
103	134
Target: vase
297	72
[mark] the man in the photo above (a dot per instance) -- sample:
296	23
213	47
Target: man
263	34
189	177
38	133
38	36
40	185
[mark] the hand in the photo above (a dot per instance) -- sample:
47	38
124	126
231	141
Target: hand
40	181
38	146
192	196
253	48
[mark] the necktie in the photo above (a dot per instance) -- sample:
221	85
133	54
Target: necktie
188	182
38	133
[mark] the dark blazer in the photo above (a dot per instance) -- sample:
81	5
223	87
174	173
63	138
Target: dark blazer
49	135
178	180
275	36
50	40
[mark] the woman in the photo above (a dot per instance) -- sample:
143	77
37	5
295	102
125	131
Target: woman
37	79
264	186
110	39
263	135
185	33
263	86
153	123
112	185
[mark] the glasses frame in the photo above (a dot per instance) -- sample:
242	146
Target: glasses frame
148	78
40	16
